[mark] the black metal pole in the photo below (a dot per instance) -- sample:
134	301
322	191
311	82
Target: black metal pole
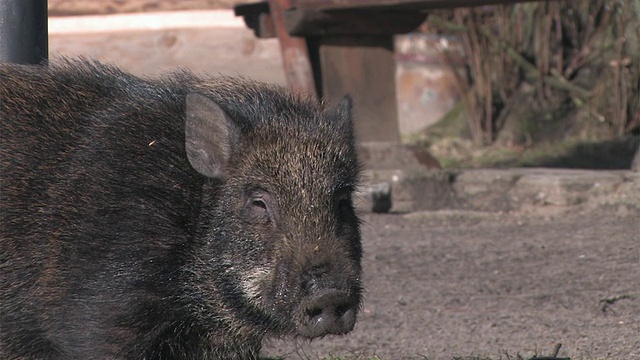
24	37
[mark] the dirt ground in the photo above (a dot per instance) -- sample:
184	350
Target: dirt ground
453	284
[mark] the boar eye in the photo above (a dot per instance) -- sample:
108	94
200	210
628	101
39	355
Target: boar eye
257	209
259	203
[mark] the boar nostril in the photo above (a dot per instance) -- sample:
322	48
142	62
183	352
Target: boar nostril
342	309
314	312
328	312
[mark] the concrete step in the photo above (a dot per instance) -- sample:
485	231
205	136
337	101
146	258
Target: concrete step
519	189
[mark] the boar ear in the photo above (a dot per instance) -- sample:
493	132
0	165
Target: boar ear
344	108
343	113
209	134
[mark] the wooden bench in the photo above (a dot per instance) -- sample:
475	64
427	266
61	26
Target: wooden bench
335	47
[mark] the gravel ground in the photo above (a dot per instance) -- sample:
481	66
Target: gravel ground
456	283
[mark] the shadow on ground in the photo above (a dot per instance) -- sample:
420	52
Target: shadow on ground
609	155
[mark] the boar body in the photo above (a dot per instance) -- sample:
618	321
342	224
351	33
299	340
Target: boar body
175	218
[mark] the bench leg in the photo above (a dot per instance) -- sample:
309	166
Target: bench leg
363	67
295	57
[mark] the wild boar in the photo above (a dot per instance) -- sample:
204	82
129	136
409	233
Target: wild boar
171	218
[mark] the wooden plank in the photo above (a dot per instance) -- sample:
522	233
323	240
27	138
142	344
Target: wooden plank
295	56
364	68
258	18
323	17
321	23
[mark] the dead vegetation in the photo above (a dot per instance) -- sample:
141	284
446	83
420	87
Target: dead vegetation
546	70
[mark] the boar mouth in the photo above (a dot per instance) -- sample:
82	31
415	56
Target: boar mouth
329	311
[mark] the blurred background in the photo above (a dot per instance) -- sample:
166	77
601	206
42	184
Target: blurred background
552	84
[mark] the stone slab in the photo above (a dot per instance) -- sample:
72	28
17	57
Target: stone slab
505	190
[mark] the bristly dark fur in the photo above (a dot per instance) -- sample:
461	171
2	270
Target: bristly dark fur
113	246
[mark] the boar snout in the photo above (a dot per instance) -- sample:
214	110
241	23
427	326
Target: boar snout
329	311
